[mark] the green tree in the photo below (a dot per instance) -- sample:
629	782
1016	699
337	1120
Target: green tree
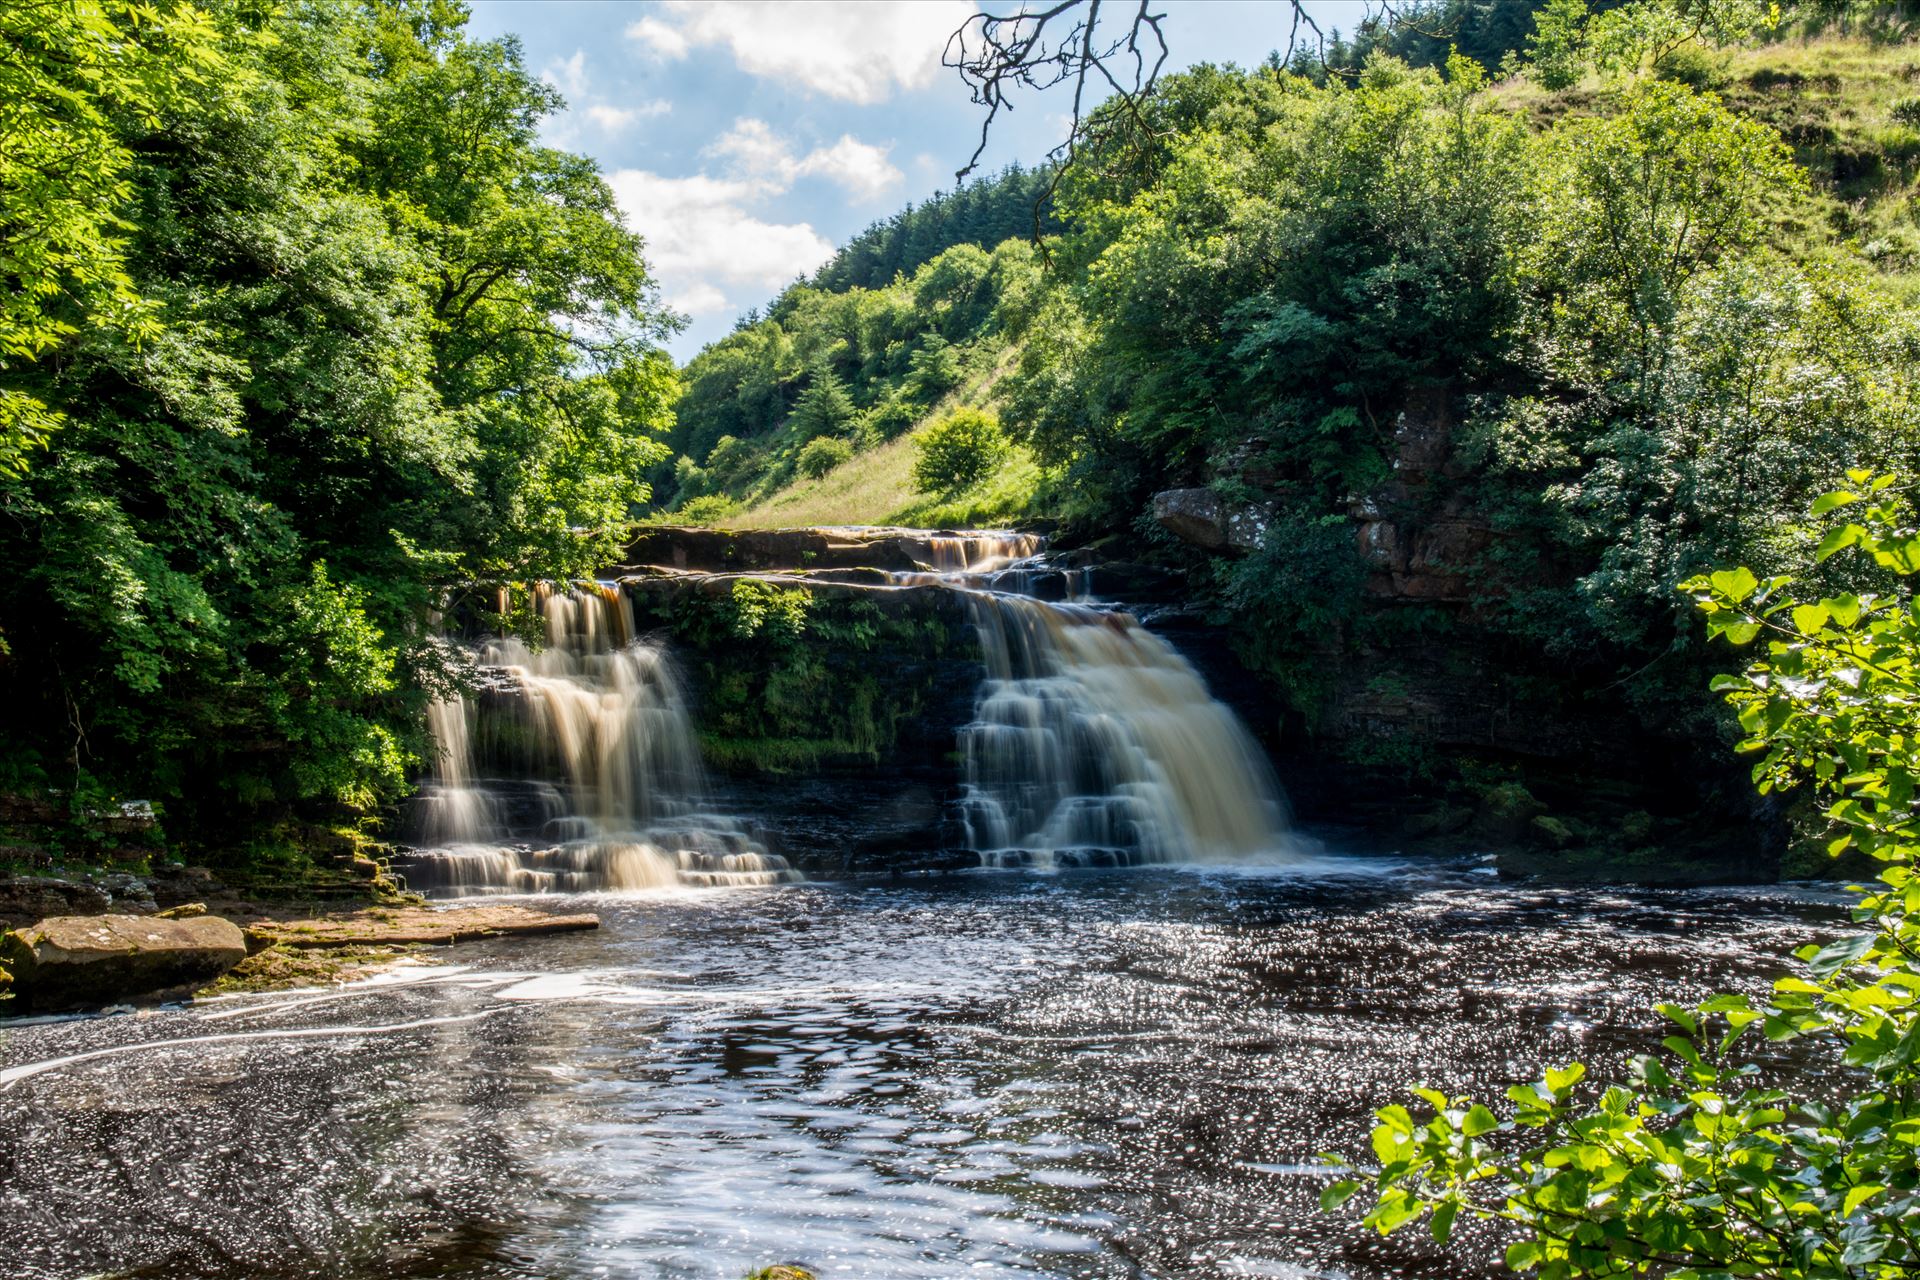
933	369
1556	50
957	452
1707	1161
73	79
405	348
824	408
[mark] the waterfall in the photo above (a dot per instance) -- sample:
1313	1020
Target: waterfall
1093	741
575	769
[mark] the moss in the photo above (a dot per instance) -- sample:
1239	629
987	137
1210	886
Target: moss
782	1272
787	677
277	968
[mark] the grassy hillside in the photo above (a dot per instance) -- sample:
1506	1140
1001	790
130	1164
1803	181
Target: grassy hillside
876	485
1848	107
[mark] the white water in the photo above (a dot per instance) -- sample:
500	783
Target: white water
593	778
1093	741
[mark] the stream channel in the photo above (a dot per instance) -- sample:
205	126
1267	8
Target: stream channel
1116	1048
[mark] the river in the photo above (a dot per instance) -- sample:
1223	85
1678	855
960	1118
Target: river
1075	1074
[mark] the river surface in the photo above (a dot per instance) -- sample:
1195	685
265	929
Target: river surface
1085	1074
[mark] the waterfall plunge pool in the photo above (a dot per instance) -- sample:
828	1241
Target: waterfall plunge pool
1088	1074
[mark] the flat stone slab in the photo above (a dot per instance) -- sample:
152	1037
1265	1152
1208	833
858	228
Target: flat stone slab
400	926
78	962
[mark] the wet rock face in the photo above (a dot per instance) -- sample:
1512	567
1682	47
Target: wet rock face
78	962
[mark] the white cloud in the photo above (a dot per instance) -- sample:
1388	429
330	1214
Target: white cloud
700	237
759	157
699	298
854	52
658	36
861	168
765	160
569	75
614	119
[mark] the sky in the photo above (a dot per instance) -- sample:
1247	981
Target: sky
746	141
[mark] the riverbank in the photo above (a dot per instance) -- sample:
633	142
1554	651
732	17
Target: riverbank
105	957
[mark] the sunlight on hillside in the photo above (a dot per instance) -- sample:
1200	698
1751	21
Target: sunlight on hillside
876	487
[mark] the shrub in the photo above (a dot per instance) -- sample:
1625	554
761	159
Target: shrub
1705	1161
726	456
821	455
1907	112
891	418
958	452
1690	65
705	509
689	477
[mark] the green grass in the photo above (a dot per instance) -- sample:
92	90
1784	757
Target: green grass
1833	99
860	491
876	487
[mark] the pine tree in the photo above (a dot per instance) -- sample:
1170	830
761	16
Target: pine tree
824	408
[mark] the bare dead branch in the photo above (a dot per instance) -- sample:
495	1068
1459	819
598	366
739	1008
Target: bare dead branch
998	54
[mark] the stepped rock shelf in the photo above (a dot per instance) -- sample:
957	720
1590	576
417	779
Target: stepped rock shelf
732	709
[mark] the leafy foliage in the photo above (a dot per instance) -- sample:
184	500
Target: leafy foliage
822	455
387	344
864	363
1708	1161
1582	333
958	452
1010	205
74	79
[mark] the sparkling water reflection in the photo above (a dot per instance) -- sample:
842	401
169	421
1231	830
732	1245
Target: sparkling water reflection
1085	1075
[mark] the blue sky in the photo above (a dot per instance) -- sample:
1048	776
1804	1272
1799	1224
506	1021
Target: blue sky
746	141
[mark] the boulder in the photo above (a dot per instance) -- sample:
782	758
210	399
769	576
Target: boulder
1193	516
75	962
1200	518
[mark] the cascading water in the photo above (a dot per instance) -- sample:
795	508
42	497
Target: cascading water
575	769
1093	741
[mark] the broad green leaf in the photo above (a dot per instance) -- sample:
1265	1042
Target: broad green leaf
1735	584
1838	539
1829	501
1859	1196
1561	1079
1337	1194
1808	619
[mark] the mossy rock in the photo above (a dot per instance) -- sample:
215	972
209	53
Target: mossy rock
782	1272
280	967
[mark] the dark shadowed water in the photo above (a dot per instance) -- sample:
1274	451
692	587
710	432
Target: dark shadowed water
1087	1074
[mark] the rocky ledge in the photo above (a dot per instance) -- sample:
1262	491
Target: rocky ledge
409	926
82	962
78	962
735	550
